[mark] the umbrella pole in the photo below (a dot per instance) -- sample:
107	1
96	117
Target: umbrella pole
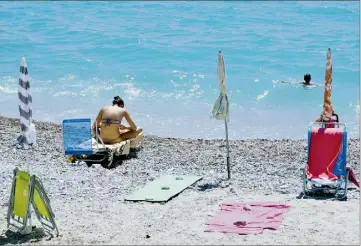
228	164
27	161
30	227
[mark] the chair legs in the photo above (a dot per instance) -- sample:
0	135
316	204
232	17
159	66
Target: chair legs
339	191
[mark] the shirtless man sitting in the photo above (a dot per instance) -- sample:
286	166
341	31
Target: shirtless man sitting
109	122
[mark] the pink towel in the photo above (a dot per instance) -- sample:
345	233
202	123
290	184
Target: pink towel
248	218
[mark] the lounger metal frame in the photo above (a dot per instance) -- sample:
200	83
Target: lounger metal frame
48	225
339	187
101	151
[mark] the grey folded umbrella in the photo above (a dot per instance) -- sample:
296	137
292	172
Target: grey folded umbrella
221	107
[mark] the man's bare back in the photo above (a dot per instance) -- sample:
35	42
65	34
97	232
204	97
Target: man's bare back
109	122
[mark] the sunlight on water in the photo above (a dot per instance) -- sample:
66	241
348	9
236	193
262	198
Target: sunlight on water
163	63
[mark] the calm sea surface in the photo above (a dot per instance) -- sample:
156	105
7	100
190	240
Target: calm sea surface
161	57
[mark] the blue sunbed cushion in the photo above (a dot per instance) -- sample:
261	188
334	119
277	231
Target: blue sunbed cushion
77	137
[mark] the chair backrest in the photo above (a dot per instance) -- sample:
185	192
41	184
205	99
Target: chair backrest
77	138
39	201
42	208
327	152
20	200
331	123
22	194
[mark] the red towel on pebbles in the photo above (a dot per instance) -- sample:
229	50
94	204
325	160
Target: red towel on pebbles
247	218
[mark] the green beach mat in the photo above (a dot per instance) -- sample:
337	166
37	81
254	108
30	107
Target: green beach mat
163	188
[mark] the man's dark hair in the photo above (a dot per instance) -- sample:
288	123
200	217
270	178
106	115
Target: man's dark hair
118	101
307	77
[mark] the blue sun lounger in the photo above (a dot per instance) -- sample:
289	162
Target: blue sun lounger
80	145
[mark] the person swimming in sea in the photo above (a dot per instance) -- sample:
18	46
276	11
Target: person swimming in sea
306	81
109	121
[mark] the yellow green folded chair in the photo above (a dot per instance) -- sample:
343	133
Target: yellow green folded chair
20	199
28	190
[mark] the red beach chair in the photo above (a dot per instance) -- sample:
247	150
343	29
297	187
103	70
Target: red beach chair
326	170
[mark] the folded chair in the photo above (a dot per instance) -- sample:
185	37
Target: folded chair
41	204
20	199
27	190
326	170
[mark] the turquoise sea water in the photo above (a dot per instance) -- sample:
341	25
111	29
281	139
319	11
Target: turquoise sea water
161	57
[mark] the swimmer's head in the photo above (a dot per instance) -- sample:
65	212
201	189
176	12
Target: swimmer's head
118	101
307	78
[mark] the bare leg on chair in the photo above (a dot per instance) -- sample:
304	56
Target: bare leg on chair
127	134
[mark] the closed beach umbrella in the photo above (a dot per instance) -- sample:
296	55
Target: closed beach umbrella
221	107
27	137
327	104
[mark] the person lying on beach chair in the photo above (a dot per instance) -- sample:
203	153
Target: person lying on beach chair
109	121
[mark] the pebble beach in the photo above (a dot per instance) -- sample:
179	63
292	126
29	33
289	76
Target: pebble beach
164	60
89	205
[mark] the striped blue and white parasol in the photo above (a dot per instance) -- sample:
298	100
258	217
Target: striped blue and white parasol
28	135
